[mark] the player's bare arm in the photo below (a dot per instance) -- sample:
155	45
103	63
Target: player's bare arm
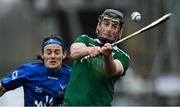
79	50
112	66
2	90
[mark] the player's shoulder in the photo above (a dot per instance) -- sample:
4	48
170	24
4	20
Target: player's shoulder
29	68
66	69
85	36
84	39
31	65
119	51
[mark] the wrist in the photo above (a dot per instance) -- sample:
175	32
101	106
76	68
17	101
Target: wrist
89	50
108	56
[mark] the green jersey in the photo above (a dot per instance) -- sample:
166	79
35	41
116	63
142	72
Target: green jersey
88	85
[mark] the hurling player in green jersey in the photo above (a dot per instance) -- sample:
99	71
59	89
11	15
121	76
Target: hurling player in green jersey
92	80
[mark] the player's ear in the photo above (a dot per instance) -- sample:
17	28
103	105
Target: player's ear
42	54
97	28
119	33
64	53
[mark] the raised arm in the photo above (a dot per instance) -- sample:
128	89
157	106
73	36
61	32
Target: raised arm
2	90
111	66
79	50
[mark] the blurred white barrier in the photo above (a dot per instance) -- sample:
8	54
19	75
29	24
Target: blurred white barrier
13	98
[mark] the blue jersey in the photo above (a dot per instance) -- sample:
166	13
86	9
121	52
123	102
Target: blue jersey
41	86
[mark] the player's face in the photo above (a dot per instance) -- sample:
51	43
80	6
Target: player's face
109	29
53	56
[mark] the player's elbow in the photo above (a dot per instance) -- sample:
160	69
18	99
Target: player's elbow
2	90
74	55
119	70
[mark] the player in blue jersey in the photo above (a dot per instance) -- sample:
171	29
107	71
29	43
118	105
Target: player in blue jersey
44	81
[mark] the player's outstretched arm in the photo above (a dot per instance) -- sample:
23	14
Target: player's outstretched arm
2	90
79	50
111	66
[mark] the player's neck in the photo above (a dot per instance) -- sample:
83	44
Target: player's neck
54	70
